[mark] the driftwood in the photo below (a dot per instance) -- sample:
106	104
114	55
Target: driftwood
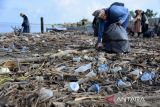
48	63
89	97
149	98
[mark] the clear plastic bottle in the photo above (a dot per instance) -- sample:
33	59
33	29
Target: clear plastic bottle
83	68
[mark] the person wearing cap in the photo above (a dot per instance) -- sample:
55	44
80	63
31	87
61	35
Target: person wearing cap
116	13
25	23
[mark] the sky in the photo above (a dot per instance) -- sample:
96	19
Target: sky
60	11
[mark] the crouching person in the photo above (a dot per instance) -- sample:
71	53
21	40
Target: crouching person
112	33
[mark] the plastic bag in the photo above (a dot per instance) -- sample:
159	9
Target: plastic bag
116	39
115	32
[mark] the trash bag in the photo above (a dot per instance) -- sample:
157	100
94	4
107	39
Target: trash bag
149	33
116	39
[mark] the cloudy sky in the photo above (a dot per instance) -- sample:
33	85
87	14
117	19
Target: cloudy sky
60	11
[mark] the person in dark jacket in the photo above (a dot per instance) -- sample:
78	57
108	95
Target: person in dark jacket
144	22
116	13
25	24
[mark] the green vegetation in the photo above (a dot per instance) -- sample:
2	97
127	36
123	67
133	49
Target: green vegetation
150	13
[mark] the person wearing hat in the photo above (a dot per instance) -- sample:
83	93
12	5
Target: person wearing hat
25	23
116	13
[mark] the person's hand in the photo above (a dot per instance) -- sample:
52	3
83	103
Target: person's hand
119	23
99	46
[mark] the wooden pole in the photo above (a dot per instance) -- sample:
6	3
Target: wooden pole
42	25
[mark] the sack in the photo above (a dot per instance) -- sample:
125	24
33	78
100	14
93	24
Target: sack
116	39
115	32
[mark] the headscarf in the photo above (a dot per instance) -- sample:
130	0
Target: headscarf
102	13
98	13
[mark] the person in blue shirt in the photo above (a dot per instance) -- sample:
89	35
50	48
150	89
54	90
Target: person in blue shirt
25	24
116	13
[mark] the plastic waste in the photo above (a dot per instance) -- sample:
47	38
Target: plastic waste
116	39
107	82
135	74
45	93
103	68
73	86
123	84
88	58
83	68
125	70
124	78
91	74
61	68
24	49
77	59
4	70
39	78
147	76
116	69
94	88
7	49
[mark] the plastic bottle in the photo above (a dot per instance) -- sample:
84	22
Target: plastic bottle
77	59
94	88
4	70
123	84
147	76
103	68
73	86
83	68
116	69
45	93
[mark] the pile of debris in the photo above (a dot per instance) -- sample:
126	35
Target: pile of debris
64	70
